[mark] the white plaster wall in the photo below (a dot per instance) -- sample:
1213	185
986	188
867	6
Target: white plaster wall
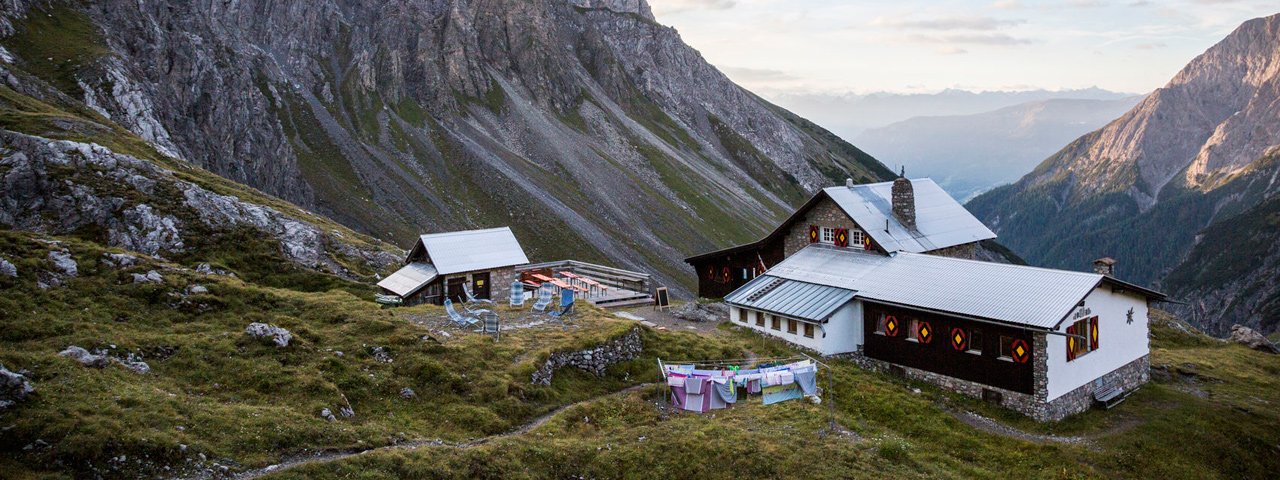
1119	342
843	330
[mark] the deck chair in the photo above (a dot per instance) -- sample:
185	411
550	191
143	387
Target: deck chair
566	305
517	294
544	299
458	318
492	325
471	298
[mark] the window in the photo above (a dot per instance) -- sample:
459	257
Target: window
759	319
913	334
775	322
1087	338
1006	348
808	330
880	324
975	342
742	315
855	238
828	235
791	326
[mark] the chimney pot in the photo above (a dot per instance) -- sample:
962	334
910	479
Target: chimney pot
848	182
1105	266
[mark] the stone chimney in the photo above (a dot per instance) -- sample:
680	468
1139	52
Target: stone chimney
904	200
1105	266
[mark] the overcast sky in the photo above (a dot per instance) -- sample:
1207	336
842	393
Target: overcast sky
831	46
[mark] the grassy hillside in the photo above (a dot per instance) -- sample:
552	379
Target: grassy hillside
217	398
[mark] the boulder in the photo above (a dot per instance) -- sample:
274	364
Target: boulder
84	357
64	263
151	277
14	387
197	289
327	414
119	260
407	392
8	269
381	354
1251	338
279	336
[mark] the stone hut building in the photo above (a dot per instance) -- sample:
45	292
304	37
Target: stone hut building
440	264
914	216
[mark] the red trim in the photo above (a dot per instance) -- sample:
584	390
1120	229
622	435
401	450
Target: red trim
814	234
891	325
1093	333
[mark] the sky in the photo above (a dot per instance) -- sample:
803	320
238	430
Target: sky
912	46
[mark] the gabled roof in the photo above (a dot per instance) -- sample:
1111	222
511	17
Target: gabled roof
940	220
790	298
409	279
1012	294
471	250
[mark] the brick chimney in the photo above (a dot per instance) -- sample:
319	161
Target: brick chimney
1105	266
904	200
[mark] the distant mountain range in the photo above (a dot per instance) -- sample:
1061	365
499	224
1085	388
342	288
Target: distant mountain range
1182	189
969	154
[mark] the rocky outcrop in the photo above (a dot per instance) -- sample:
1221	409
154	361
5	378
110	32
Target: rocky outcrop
14	388
595	360
702	312
8	269
85	358
60	187
1250	338
279	336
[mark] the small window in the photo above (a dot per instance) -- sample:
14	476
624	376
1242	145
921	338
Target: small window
808	330
759	319
855	238
880	324
913	334
828	235
791	326
975	342
1006	348
746	274
776	323
742	315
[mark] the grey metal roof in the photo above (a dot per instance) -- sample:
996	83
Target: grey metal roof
796	299
410	278
940	220
470	250
1014	294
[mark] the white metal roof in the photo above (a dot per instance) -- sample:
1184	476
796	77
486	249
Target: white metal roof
940	220
790	298
1014	294
409	279
470	250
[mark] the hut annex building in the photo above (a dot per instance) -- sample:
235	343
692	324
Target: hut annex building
439	265
885	274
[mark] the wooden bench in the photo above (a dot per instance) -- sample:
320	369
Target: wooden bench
1109	396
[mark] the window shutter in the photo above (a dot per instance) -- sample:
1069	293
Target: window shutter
1071	343
842	237
813	234
1093	333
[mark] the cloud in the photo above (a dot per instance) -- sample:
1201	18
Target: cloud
998	39
757	75
1150	45
951	50
1007	5
661	7
947	23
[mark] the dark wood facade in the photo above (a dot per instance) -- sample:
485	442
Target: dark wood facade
722	272
974	359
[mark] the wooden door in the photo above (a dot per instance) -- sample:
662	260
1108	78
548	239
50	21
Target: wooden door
480	285
454	290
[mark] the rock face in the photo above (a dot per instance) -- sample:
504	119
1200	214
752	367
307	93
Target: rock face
278	336
591	129
85	358
1250	338
14	388
1201	151
594	360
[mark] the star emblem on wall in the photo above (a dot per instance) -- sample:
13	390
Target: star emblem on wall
1130	316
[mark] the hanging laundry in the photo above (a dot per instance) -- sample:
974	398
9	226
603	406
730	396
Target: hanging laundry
808	381
781	393
694	395
727	392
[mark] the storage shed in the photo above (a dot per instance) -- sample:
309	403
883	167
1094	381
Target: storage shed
440	264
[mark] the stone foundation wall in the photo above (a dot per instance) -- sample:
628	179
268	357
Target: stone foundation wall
1019	402
1128	378
594	360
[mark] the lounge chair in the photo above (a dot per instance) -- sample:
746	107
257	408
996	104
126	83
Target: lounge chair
566	305
472	298
458	318
492	324
517	294
544	299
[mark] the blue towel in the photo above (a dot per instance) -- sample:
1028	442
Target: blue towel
727	392
808	381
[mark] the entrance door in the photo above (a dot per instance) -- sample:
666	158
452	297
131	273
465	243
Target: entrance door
454	290
480	285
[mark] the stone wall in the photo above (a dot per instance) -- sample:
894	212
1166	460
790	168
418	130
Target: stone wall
595	360
965	250
1019	402
823	214
499	282
1128	378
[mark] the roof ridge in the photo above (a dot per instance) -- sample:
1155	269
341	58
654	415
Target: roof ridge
464	232
998	264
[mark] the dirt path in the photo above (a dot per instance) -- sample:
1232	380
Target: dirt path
991	426
330	456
